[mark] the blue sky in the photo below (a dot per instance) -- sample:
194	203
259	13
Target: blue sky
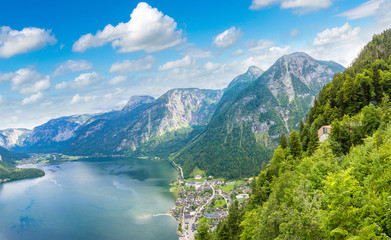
85	56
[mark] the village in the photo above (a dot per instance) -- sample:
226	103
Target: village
204	197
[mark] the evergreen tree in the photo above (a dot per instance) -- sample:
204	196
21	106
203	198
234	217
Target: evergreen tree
222	231
294	144
203	231
371	119
314	141
253	184
301	127
234	220
283	141
341	134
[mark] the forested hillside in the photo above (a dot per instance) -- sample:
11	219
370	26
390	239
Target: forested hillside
244	131
339	189
8	171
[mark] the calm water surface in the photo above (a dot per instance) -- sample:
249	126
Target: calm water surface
95	199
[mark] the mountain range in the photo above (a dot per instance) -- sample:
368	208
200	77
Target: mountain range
226	132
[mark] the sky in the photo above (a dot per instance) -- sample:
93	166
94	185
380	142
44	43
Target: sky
60	58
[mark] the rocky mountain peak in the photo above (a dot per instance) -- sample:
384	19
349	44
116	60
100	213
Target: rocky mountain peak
254	71
296	59
298	74
13	137
136	101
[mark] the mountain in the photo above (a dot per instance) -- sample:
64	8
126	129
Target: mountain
236	85
55	134
13	137
101	136
11	157
145	127
137	101
337	189
243	133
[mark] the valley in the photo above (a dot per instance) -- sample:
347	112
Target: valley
195	120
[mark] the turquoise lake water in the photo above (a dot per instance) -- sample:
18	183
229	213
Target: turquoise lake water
94	199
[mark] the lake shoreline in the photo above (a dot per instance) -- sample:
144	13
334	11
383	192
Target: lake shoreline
96	193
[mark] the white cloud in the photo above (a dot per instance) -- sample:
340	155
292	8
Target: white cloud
72	66
228	38
148	29
77	99
118	79
258	4
259	45
81	81
184	62
6	76
32	99
114	93
266	57
29	81
14	42
197	53
332	44
381	9
237	53
301	6
337	34
383	15
133	66
1	99
364	10
294	32
279	50
210	66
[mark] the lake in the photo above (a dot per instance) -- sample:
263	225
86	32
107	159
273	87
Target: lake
94	199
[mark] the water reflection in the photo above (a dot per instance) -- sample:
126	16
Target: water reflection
114	199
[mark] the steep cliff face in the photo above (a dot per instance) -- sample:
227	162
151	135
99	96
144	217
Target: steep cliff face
242	136
236	85
142	121
137	101
103	135
55	134
13	137
178	108
281	97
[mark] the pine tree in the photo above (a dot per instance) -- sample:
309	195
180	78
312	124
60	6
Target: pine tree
203	231
222	231
314	141
283	141
253	184
234	220
294	144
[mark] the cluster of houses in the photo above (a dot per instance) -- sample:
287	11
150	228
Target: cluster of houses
197	194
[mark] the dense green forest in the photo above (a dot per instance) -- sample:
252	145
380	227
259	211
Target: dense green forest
339	189
163	146
8	171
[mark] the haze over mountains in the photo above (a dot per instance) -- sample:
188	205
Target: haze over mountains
211	129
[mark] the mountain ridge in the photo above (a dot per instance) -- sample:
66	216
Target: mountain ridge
250	126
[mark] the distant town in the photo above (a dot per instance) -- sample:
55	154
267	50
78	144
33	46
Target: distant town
204	197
